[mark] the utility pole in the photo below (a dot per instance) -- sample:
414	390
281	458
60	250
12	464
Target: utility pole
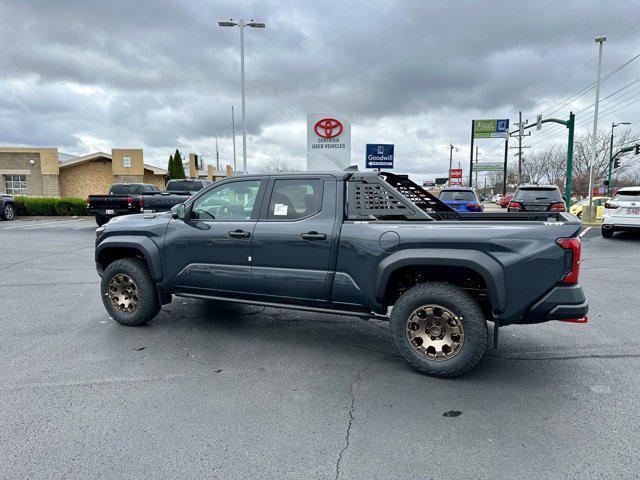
599	41
476	182
217	155
520	135
451	149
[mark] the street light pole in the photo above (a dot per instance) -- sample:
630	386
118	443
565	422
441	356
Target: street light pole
599	41
233	134
613	125
242	24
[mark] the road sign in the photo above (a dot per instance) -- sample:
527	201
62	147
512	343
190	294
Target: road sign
489	167
455	173
379	155
490	128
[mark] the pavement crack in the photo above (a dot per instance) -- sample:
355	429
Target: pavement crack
351	409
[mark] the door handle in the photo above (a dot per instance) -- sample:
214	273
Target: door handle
239	234
313	236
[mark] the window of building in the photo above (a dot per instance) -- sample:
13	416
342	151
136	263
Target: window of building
15	184
126	162
294	199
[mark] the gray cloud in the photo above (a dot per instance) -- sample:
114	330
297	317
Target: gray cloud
161	74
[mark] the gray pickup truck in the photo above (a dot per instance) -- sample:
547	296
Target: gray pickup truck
355	243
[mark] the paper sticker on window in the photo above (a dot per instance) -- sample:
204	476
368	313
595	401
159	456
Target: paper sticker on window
280	209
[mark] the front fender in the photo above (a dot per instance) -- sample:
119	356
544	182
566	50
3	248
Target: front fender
489	269
144	245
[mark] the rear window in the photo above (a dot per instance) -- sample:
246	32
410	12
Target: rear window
122	189
457	196
538	194
184	186
627	196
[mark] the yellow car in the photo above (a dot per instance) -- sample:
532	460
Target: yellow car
599	202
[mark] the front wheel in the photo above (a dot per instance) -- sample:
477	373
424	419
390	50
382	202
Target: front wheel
8	212
128	292
439	329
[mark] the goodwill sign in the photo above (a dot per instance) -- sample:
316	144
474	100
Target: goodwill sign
379	155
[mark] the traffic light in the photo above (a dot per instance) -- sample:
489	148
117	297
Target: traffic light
616	163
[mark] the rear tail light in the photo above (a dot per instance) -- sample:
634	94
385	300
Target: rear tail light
141	200
610	205
571	248
515	206
474	207
558	206
129	202
88	202
584	319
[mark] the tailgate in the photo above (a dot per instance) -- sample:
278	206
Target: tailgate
108	202
162	201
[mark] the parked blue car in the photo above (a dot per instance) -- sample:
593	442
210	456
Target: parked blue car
462	199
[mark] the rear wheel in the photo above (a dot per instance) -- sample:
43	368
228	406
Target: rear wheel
8	212
607	232
128	292
101	219
439	329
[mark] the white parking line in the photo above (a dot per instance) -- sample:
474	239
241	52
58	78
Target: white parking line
86	226
582	234
33	224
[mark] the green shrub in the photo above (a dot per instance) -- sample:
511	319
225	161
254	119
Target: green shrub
71	206
50	206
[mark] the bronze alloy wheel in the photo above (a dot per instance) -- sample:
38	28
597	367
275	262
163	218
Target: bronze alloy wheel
123	293
435	332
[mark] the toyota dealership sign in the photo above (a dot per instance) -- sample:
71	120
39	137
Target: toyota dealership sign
328	142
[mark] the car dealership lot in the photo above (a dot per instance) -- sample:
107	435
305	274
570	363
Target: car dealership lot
214	390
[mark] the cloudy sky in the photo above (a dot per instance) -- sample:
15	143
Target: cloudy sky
86	75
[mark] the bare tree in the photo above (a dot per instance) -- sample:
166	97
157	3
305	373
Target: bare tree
276	165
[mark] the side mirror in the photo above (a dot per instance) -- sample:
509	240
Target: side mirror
179	211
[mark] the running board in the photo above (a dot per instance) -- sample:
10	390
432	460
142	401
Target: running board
285	305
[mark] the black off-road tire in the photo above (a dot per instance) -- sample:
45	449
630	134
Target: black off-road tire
8	212
463	306
101	219
606	233
148	304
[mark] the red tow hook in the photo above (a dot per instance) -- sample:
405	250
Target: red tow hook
584	319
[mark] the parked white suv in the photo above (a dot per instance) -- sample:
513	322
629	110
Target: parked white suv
621	212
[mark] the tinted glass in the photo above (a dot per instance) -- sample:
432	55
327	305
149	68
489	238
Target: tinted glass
457	196
184	185
233	201
293	199
538	195
122	189
628	196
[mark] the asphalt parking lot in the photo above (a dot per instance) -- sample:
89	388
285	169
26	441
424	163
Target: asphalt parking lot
214	390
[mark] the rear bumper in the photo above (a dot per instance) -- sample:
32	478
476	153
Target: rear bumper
621	222
116	211
561	303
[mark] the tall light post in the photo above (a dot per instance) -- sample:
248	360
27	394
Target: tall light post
613	125
233	135
241	24
599	41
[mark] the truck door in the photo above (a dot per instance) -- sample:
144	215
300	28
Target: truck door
293	238
210	251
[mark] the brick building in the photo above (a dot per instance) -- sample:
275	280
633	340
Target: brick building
45	172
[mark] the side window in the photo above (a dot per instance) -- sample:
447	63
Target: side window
233	201
294	199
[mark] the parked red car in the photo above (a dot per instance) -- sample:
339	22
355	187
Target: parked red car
505	200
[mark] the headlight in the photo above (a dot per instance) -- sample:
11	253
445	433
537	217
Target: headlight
100	231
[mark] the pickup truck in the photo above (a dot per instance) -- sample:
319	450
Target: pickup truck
368	244
128	198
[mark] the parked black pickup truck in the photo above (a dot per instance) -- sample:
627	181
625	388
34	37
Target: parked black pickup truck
128	198
362	244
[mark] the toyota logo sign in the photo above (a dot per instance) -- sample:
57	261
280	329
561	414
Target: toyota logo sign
328	127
